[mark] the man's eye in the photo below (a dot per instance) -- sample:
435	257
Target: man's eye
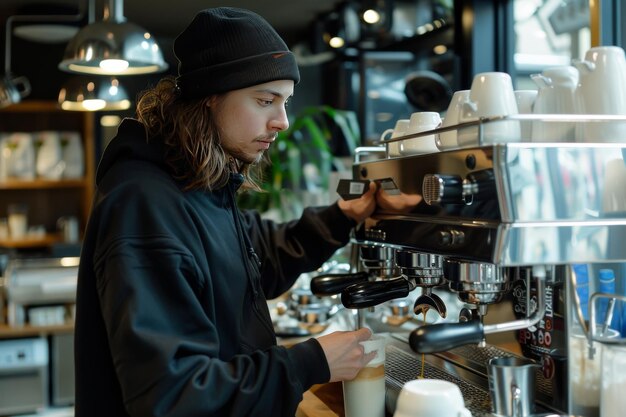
265	102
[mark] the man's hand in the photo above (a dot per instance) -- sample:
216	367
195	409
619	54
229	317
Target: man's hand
344	353
360	208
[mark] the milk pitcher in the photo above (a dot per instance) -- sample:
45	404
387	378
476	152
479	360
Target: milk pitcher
512	386
602	90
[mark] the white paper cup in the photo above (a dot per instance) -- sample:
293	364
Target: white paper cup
364	396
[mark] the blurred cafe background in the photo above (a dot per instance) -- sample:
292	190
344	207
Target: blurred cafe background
504	232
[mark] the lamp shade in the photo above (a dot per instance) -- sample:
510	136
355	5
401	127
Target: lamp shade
93	94
113	48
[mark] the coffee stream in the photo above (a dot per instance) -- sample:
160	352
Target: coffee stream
421	375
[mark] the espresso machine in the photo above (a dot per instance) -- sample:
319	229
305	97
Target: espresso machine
492	223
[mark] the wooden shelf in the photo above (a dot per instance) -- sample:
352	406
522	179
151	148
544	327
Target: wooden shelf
47	199
41	184
8	332
27	106
30	242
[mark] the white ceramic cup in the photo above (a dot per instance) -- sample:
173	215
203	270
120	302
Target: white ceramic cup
68	226
430	398
525	100
421	122
556	95
17	215
448	139
491	95
364	396
393	148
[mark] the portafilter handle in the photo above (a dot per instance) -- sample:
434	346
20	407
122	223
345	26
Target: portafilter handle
371	293
332	284
440	337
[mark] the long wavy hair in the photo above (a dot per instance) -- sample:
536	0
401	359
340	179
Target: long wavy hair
192	139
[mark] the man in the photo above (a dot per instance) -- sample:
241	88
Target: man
172	318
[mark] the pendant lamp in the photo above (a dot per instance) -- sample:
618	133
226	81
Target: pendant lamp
113	46
99	93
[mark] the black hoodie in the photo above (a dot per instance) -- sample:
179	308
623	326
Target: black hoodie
171	312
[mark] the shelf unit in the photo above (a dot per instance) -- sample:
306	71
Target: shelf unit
49	200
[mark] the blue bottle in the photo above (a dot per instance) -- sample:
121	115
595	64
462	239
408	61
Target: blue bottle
607	285
582	288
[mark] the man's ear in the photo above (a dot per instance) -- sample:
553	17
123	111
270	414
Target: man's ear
211	101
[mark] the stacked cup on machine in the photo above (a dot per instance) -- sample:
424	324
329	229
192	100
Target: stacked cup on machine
480	115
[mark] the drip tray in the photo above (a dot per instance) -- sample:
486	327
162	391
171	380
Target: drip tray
403	365
465	366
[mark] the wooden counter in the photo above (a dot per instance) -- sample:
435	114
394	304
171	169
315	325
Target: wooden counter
323	400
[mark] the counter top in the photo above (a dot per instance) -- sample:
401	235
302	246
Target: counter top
324	400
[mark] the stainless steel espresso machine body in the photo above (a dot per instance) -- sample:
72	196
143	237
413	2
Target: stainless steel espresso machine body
503	222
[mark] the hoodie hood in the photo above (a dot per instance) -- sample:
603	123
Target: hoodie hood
131	143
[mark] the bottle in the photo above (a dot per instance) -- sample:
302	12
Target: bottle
582	288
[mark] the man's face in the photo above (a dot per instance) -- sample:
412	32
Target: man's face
250	118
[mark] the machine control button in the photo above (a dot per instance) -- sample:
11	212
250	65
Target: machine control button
440	189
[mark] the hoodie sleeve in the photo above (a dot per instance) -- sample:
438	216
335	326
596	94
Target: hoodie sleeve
289	249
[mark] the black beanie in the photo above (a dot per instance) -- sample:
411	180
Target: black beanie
226	48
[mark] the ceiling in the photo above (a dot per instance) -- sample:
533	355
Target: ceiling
38	59
167	18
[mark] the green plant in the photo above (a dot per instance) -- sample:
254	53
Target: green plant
303	158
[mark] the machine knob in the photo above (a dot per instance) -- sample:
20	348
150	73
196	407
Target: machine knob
440	189
451	237
479	185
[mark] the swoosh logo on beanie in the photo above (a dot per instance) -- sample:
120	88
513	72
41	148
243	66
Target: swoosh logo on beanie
276	56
